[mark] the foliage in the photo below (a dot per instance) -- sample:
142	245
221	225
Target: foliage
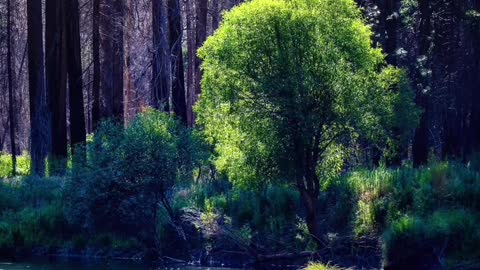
446	233
430	210
285	78
320	266
23	165
129	173
33	214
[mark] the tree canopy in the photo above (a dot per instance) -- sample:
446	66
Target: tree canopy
284	80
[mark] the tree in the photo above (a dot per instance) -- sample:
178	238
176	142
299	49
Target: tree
74	68
96	63
36	74
56	77
111	26
160	57
284	81
177	74
191	53
11	96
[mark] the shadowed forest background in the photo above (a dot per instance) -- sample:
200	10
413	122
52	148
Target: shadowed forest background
267	132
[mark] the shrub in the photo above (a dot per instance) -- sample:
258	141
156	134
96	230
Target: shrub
319	266
450	234
128	173
23	165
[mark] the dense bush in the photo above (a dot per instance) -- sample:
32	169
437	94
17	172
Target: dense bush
420	214
450	234
23	165
129	174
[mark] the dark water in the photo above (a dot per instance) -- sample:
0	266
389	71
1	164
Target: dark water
44	265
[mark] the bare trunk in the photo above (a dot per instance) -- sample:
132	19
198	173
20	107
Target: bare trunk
160	58
127	77
56	82
96	64
38	102
11	96
421	143
111	25
215	15
191	47
118	61
177	75
201	30
74	63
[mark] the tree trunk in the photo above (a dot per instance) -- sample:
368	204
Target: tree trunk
11	96
191	48
160	57
118	62
127	77
56	82
201	31
421	142
215	15
201	36
74	63
177	75
96	64
38	103
111	25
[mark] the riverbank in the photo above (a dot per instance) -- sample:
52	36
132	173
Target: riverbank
368	217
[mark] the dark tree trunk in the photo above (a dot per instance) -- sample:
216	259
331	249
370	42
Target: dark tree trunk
160	57
118	62
111	25
77	113
391	30
56	81
421	138
96	63
38	97
215	11
128	83
475	84
307	182
201	36
177	75
11	96
191	49
106	36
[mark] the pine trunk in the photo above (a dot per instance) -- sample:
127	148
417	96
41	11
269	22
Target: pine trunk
36	75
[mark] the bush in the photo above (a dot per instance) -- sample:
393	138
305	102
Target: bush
23	165
319	266
450	234
128	173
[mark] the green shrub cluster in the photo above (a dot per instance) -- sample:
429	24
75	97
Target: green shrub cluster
31	213
130	174
23	165
320	266
430	211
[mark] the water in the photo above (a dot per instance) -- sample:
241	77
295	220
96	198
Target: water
47	265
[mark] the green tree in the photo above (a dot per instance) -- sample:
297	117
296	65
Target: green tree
286	80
